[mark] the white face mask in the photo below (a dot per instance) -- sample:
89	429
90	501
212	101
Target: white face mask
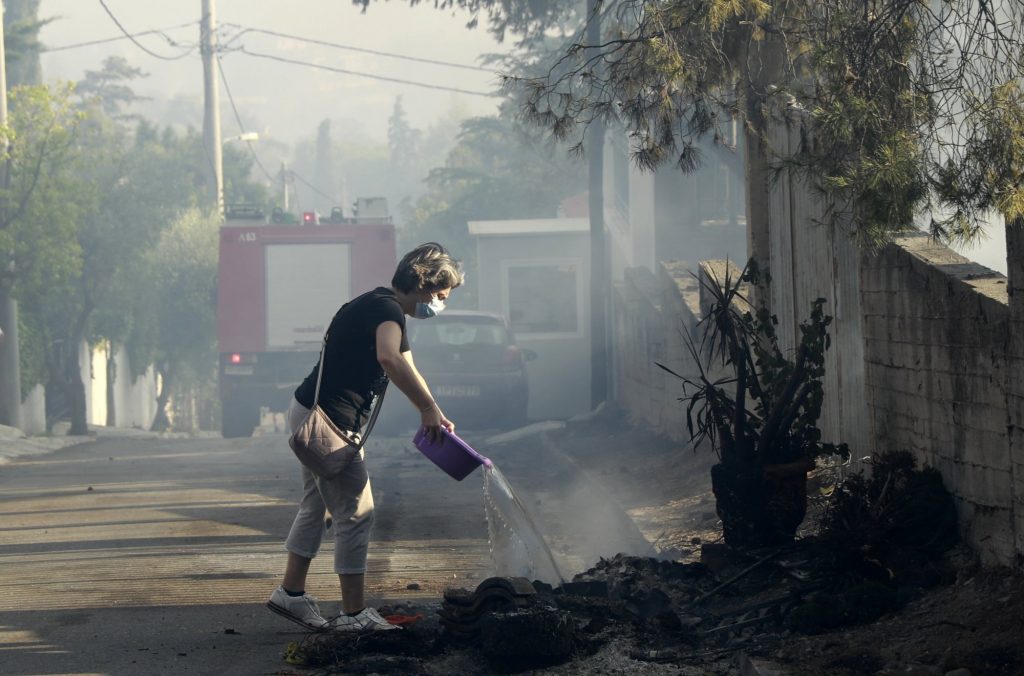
428	310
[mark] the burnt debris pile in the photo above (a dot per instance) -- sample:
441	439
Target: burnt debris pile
883	539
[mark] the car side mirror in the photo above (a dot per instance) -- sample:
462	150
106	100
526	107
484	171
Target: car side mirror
529	355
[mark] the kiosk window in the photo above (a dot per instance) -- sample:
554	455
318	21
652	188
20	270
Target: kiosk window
543	298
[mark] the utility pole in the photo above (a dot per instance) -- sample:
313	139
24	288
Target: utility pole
598	252
10	366
211	99
284	188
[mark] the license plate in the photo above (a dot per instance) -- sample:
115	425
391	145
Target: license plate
235	370
457	390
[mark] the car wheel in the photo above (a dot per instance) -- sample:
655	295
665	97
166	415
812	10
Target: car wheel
515	415
237	419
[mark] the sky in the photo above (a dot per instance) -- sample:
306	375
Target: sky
278	100
990	249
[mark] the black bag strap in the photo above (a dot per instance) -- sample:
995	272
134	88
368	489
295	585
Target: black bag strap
320	373
376	407
373	416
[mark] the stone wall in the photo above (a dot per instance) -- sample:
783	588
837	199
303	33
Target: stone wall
935	343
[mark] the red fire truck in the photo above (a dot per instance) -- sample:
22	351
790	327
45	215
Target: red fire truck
280	285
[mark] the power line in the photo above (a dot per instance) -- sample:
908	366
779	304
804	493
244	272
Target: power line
344	71
364	50
241	127
313	187
238	118
139	44
155	31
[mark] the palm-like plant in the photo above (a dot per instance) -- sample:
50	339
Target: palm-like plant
765	408
758	406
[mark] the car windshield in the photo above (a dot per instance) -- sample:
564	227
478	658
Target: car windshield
457	332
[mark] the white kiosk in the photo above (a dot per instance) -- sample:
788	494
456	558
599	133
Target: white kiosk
536	272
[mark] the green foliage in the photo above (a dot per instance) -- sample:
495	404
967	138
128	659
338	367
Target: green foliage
92	191
32	353
40	144
110	88
143	182
40	207
906	108
176	300
765	409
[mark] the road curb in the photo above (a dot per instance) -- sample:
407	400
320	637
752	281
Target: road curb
15	445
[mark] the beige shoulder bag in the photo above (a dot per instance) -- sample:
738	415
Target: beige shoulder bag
321	445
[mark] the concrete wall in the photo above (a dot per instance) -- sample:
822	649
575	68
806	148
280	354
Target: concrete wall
134	398
1015	378
33	411
650	315
935	338
811	258
941	373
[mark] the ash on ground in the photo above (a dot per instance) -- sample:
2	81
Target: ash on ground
883	590
648	616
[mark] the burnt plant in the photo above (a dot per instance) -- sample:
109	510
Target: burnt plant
764	407
898	516
759	407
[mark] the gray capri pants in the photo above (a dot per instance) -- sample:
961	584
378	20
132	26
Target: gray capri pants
350	502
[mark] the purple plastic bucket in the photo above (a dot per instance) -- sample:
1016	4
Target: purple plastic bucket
450	453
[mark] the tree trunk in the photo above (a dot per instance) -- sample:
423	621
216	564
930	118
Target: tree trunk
73	375
758	193
111	382
161	423
599	273
762	67
10	366
55	388
76	392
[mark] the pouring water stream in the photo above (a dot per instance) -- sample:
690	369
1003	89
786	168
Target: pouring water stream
517	547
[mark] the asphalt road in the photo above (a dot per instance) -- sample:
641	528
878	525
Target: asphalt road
155	556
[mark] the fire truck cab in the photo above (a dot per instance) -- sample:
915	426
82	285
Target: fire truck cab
281	280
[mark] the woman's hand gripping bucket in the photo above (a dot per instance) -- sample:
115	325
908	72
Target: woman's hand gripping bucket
450	453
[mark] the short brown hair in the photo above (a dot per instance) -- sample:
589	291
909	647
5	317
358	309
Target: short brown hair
428	267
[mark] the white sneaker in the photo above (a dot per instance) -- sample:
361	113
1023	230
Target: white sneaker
368	619
301	610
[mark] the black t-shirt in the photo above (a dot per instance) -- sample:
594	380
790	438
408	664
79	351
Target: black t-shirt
352	375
